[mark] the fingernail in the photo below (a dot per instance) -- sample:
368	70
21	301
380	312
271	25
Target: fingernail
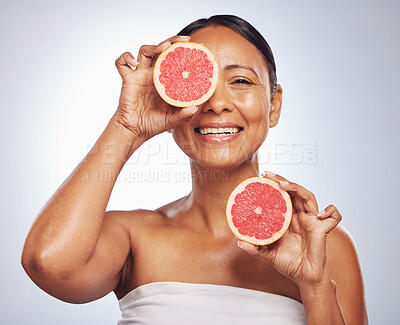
321	213
249	248
242	244
168	43
134	61
193	109
284	182
270	173
186	36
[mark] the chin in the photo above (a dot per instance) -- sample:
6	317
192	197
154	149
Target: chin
221	163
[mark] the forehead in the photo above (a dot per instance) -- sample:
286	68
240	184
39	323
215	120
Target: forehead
230	48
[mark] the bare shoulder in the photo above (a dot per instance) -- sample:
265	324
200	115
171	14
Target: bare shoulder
145	217
345	269
140	222
341	249
132	217
146	230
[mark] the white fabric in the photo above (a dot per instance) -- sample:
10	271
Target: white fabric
178	303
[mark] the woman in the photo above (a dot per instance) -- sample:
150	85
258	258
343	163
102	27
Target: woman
181	262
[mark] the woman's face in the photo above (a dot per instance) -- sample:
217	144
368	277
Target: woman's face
241	102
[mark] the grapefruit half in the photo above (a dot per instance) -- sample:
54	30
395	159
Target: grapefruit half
186	74
259	211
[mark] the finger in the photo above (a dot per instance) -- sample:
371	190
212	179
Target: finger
261	252
178	38
273	176
305	197
147	52
331	217
330	212
176	116
125	63
296	201
249	248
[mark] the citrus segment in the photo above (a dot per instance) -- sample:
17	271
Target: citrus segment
186	74
259	211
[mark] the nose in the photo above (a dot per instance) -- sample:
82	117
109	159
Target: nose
219	101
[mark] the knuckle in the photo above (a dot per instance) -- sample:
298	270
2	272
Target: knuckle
146	48
121	57
312	197
308	195
331	206
167	40
143	48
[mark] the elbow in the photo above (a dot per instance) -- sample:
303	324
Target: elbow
61	284
34	265
41	267
46	275
28	262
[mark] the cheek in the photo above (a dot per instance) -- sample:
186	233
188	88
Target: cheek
253	105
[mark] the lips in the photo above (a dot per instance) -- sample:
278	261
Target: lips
218	132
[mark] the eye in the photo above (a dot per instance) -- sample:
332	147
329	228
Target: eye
243	81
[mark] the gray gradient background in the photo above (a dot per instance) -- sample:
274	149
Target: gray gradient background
338	135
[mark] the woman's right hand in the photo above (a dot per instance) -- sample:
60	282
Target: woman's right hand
141	110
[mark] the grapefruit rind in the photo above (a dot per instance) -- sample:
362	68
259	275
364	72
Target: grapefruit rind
253	240
161	88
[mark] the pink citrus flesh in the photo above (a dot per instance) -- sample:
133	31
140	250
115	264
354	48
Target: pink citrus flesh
259	211
186	74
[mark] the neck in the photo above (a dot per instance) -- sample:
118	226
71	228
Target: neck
211	190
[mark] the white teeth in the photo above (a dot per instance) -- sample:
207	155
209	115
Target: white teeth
219	131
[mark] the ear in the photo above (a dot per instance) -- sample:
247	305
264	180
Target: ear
275	109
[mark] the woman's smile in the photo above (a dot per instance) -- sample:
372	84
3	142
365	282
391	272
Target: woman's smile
218	132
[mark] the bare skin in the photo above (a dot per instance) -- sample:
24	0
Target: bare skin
78	252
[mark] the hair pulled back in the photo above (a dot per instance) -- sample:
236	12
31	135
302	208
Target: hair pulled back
243	28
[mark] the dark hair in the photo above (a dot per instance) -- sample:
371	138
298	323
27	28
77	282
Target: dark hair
243	28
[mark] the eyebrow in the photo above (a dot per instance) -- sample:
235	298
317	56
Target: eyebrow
240	66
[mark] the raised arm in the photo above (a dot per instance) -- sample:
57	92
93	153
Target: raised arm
75	250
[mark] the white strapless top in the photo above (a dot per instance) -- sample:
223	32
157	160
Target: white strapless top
178	303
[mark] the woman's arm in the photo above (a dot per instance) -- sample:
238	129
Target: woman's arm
59	250
343	293
345	269
321	303
327	274
75	250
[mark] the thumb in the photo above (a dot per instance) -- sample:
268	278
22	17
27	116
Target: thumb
177	115
249	248
261	252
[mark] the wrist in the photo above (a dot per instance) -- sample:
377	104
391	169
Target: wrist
321	303
129	125
116	144
316	289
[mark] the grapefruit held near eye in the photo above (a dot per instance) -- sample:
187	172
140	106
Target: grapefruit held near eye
259	211
186	74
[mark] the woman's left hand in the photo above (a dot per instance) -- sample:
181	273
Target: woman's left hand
300	254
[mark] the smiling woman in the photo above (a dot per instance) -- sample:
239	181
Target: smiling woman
181	261
242	100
